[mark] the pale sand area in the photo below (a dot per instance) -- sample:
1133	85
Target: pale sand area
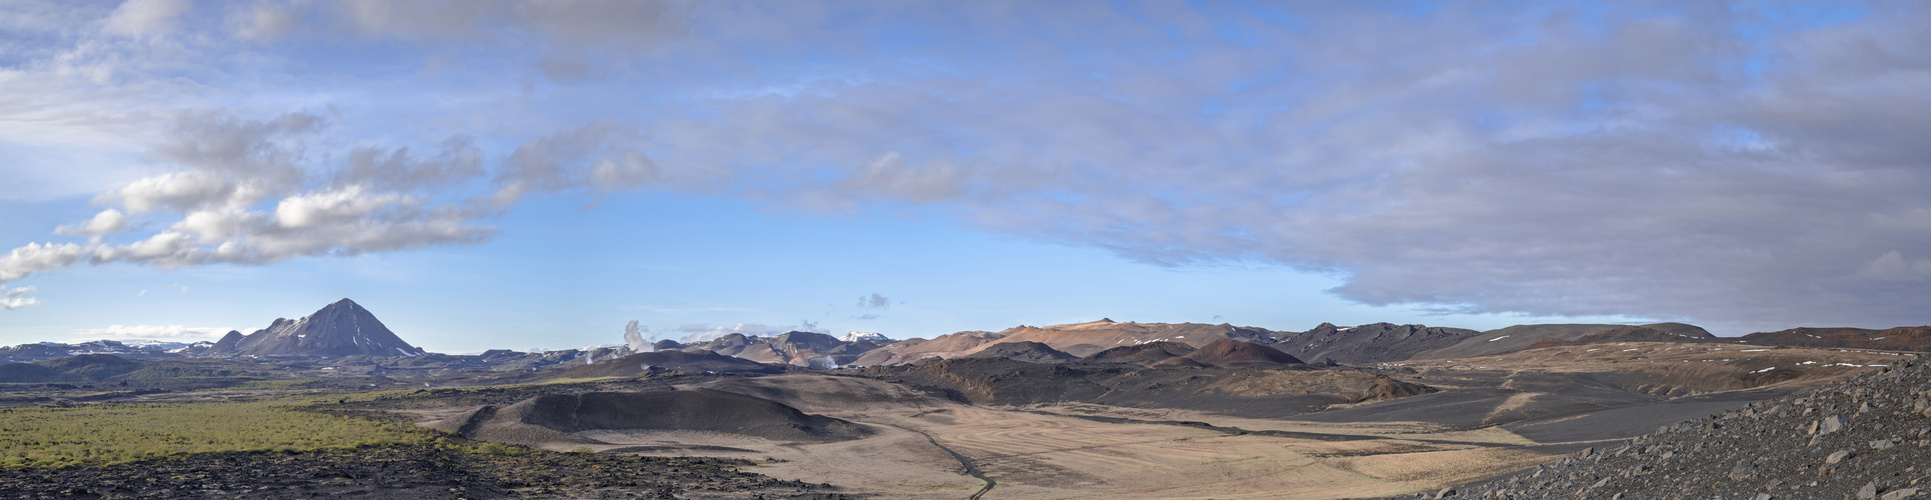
1044	451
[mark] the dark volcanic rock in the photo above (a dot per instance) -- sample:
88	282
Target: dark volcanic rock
229	343
1864	437
1367	344
1230	353
413	472
1142	354
693	410
1030	352
343	328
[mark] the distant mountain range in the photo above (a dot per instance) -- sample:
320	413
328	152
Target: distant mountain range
346	329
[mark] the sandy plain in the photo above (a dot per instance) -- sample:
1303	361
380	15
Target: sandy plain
1496	414
924	447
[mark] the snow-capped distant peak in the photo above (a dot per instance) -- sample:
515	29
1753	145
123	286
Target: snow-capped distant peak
857	336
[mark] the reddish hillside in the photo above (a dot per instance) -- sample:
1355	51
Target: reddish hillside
945	346
1628	333
1085	339
1903	338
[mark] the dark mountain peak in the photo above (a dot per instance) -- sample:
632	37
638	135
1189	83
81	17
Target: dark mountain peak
342	328
1234	353
1028	351
229	342
1147	353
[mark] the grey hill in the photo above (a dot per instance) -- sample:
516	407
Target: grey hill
342	328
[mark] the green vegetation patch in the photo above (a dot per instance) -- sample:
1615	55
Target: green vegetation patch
121	433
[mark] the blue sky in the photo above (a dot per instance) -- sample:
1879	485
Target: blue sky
505	174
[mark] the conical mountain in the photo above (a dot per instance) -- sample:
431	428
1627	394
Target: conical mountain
343	328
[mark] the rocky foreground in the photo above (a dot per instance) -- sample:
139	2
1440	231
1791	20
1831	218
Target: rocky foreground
414	472
1867	437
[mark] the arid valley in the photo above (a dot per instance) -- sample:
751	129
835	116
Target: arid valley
1091	410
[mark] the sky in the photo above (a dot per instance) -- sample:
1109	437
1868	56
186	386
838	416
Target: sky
534	174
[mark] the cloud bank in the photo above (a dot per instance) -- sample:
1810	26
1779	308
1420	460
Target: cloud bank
1744	166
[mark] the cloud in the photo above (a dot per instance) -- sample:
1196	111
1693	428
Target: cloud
36	257
875	301
1651	164
247	193
1892	266
157	332
620	23
146	18
597	155
1739	166
15	298
106	222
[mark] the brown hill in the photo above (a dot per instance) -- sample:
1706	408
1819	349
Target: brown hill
1903	338
556	418
1030	352
1230	353
1519	337
1620	334
1085	339
944	346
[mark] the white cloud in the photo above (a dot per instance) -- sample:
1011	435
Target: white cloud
155	332
15	298
181	191
333	207
146	18
233	164
36	257
106	222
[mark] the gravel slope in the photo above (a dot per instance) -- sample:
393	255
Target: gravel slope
1868	436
